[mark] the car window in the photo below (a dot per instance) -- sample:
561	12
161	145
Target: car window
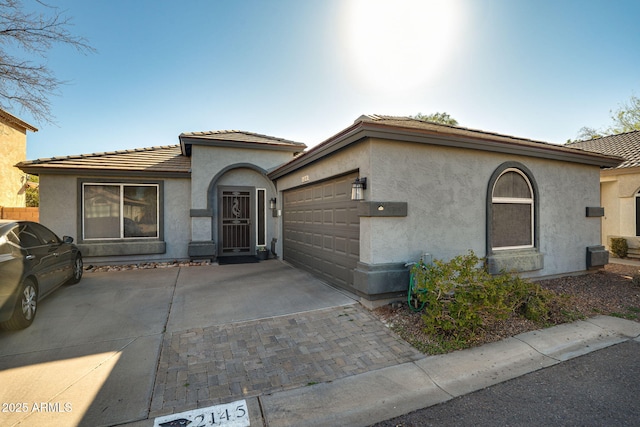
27	236
5	248
12	237
45	234
9	242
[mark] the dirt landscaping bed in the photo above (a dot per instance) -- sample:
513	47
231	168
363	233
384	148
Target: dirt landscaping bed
610	291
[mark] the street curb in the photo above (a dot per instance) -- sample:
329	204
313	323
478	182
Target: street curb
379	395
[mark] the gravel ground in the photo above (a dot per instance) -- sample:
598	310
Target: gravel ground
609	291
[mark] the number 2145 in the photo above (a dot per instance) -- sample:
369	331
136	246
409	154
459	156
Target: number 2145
220	417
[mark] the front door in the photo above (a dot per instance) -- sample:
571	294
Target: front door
236	222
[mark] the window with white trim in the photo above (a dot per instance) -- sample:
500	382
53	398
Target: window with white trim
638	213
512	208
261	209
120	211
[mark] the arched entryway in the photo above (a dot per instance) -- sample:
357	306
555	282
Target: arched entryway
239	198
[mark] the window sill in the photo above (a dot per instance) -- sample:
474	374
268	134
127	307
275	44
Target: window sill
515	261
122	248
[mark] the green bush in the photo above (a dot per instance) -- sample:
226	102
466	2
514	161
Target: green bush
619	247
461	297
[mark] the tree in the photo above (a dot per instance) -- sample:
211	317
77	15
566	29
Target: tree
625	119
442	118
25	82
586	132
32	191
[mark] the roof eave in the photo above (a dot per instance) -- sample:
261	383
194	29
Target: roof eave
48	170
362	129
13	119
186	142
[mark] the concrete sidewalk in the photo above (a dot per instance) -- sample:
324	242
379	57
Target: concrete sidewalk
375	396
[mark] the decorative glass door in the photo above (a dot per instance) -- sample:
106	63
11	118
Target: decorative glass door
237	228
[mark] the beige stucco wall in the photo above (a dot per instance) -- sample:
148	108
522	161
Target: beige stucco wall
618	193
611	219
446	189
13	149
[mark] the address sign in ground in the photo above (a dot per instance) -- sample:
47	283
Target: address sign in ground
234	414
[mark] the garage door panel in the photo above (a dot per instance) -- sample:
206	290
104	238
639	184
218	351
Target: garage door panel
331	218
354	248
327	243
340	245
327	216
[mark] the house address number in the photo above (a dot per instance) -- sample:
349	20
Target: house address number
234	414
305	178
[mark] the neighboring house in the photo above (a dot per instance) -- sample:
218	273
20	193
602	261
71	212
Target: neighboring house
423	188
13	149
619	188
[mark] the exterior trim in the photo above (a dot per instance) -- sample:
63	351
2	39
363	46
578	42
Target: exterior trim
382	209
513	260
380	281
596	211
361	130
122	246
212	194
489	202
201	213
35	170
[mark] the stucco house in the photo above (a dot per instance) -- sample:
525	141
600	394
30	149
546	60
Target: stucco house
619	188
352	210
13	149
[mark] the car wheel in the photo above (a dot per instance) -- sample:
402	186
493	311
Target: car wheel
78	268
26	307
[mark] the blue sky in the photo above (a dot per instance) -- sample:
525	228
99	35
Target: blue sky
306	69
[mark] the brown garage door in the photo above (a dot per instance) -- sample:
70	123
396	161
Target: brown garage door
322	230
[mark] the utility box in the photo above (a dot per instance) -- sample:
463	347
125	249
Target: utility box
597	256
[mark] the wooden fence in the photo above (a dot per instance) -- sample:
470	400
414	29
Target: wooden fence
29	214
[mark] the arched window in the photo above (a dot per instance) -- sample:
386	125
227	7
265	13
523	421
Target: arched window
512	208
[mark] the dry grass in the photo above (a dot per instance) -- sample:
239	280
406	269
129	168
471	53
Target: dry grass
610	291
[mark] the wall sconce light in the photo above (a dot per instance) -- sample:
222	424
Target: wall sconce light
357	188
272	203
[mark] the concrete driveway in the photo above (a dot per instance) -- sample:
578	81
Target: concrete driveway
91	356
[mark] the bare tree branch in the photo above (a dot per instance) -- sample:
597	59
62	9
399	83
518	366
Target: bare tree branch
29	83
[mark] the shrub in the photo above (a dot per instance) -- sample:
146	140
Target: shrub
619	247
461	296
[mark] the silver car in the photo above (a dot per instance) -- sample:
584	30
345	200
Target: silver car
34	262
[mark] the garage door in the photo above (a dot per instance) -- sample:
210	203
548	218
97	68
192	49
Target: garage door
322	230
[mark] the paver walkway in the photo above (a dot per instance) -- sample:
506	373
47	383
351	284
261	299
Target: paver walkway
212	365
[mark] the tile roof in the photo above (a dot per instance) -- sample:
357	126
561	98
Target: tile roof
238	136
439	128
152	160
625	145
5	115
410	129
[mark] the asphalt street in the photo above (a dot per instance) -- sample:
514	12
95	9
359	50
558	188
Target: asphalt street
598	389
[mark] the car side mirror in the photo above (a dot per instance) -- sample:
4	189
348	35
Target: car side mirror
67	239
